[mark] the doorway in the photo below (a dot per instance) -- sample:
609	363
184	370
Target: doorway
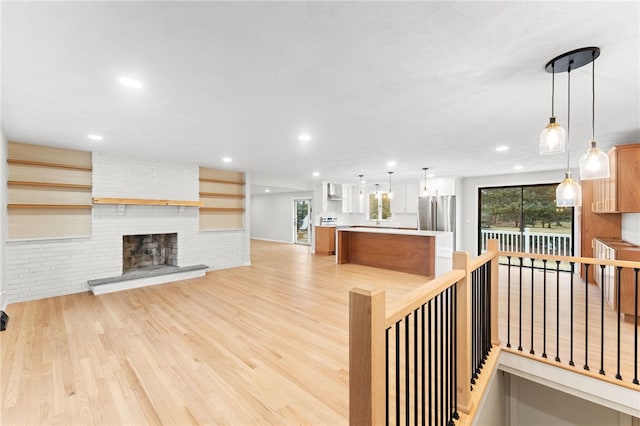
525	219
302	221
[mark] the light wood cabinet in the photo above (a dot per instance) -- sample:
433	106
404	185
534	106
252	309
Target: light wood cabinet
616	249
325	240
619	192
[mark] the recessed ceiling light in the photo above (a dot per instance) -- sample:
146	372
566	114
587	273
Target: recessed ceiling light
304	137
502	148
430	175
95	137
267	190
226	159
316	174
130	82
392	163
518	167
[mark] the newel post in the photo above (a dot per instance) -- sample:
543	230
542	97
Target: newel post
493	249
463	307
367	313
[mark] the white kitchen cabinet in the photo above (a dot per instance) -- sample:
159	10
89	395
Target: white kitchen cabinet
405	198
604	251
347	198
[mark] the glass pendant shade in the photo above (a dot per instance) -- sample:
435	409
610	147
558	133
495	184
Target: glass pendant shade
594	164
552	138
568	193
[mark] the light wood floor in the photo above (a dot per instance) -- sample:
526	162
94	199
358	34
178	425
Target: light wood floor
266	344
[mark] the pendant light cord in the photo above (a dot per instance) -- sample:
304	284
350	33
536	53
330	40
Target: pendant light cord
568	114
593	96
553	85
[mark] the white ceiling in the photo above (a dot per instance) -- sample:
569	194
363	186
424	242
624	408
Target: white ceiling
427	84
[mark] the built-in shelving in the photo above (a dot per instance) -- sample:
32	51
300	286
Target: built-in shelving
222	196
49	191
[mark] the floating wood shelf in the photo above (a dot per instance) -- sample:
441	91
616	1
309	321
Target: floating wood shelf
146	202
48	184
220	195
221	209
44	164
233	182
49	206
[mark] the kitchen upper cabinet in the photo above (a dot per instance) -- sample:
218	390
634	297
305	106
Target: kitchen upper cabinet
619	192
405	198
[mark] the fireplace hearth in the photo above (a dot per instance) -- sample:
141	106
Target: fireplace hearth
149	251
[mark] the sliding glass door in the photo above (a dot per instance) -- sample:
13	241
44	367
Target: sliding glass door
526	219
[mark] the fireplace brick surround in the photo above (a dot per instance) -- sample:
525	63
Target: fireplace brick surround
39	268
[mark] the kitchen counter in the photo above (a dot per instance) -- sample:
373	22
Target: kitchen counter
426	253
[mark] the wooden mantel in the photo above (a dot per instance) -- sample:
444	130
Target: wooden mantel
146	202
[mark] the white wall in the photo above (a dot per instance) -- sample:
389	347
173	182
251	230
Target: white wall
531	403
38	268
3	222
468	229
631	227
272	215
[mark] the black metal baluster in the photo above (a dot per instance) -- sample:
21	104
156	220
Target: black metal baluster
407	377
386	375
586	317
618	273
571	318
601	320
429	351
473	328
531	351
398	373
557	310
635	336
415	366
455	351
508	301
442	416
544	308
435	360
520	310
422	384
447	375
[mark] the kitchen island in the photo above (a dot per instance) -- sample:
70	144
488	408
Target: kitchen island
426	253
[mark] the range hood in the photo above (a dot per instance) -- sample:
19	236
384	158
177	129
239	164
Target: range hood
334	192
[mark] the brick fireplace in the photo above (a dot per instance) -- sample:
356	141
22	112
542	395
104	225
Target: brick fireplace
147	251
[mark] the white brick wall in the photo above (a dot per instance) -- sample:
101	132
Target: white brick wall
52	267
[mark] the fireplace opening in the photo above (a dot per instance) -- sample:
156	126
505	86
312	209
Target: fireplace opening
149	251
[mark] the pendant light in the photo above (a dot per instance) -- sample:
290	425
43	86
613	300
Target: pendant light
594	164
390	195
361	186
552	138
424	190
569	192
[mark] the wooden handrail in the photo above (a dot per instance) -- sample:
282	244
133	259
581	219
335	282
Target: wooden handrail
583	260
146	202
419	296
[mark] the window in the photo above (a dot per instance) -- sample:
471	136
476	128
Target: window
379	208
525	218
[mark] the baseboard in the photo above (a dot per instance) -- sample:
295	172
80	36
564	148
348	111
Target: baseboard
271	241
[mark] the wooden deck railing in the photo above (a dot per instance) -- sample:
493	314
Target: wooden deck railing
422	362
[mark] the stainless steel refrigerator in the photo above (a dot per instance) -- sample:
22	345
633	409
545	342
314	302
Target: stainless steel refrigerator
438	213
